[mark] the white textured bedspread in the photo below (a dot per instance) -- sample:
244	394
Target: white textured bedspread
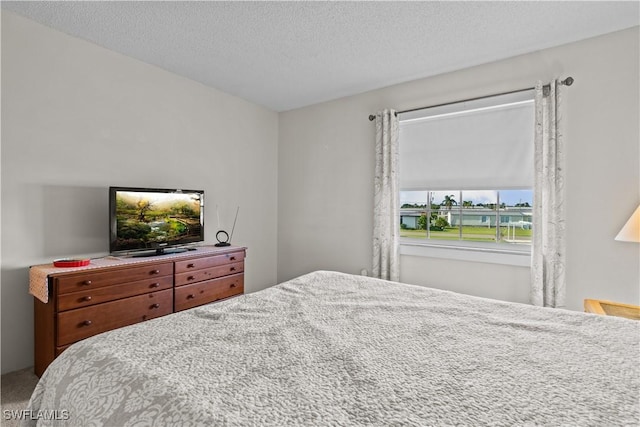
338	350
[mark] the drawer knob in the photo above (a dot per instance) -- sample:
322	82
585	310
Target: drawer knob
190	265
233	285
191	296
87	323
155	271
232	269
155	306
232	258
87	298
86	282
154	285
190	278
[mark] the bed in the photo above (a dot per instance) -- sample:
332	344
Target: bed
335	349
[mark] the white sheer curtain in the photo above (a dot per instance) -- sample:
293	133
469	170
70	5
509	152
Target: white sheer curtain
386	216
548	249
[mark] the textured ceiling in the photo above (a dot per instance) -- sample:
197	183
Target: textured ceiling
285	55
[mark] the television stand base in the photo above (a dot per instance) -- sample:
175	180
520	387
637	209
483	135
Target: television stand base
158	252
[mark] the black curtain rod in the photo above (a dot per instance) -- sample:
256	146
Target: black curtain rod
567	82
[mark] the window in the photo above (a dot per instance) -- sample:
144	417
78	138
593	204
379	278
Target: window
466	173
480	216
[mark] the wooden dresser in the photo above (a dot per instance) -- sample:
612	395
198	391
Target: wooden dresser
88	301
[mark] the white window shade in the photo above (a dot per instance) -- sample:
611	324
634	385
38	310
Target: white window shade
473	145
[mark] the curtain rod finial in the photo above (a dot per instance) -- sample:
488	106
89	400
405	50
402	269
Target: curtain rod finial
568	81
371	117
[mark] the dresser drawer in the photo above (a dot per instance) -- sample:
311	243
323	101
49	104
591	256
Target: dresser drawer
208	273
212	261
91	279
81	323
89	297
205	292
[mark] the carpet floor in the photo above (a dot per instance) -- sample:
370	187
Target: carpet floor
16	389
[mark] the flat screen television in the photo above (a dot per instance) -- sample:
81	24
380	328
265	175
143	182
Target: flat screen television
154	221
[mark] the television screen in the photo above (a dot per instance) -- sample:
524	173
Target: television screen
154	219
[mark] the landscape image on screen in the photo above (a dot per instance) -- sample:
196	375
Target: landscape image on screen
155	219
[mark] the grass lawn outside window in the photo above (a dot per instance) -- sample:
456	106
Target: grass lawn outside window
473	233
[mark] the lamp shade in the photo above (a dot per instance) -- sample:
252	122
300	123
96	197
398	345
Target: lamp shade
631	230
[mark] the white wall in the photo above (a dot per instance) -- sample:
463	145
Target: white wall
77	118
326	164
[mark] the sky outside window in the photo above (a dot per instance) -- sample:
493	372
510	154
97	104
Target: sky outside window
508	197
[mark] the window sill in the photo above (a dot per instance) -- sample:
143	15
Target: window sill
468	251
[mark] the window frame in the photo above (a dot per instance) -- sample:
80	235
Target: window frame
453	251
466	250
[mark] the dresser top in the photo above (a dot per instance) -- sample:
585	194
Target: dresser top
39	274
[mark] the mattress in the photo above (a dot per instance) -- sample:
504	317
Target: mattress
329	349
